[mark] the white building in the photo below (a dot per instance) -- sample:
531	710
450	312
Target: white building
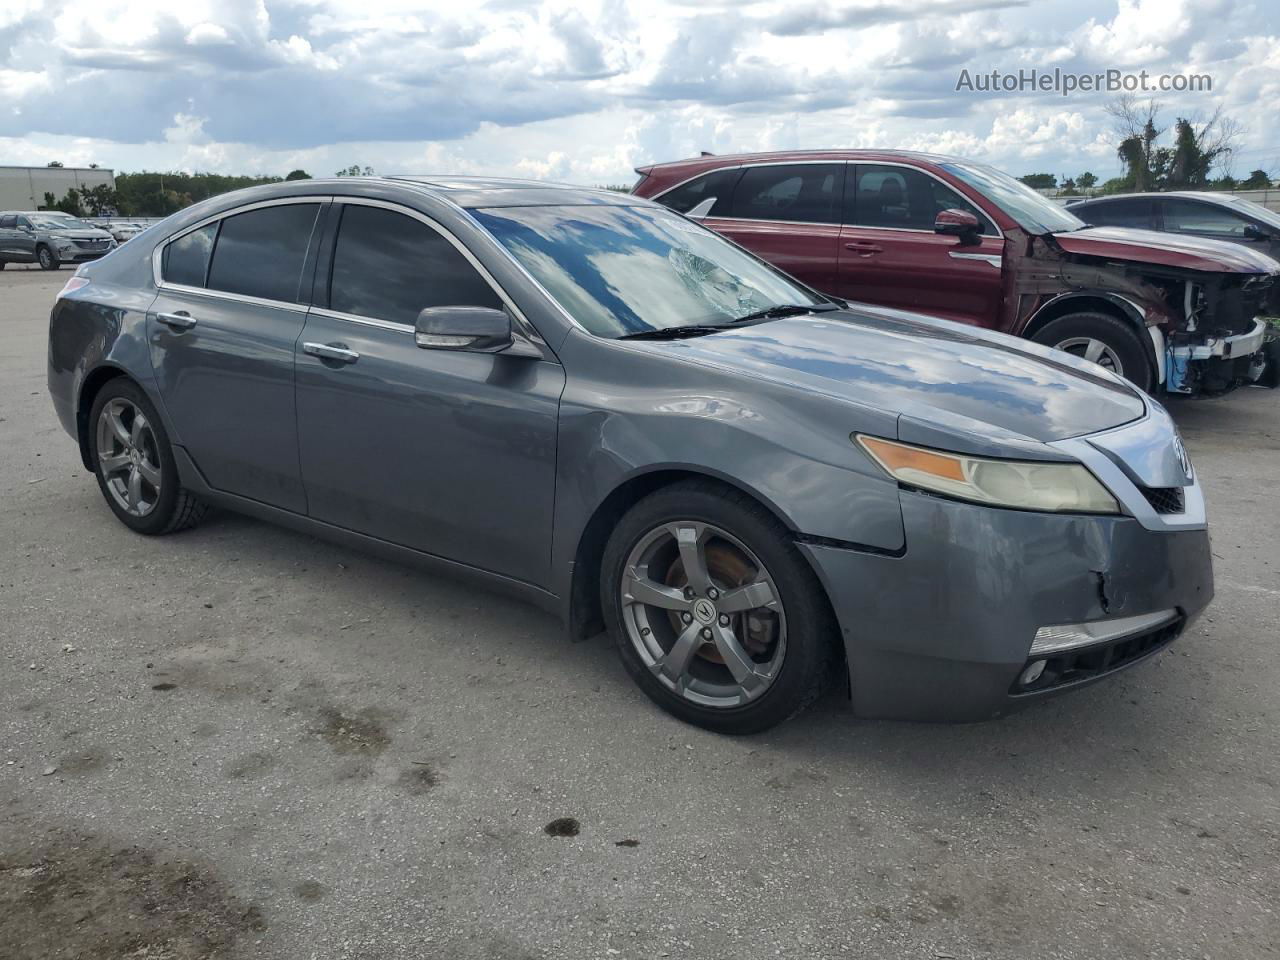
23	188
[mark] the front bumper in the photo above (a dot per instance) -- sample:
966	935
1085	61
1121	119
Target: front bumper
944	631
1218	363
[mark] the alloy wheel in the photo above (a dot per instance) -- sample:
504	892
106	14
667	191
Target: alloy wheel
128	457
1095	351
703	613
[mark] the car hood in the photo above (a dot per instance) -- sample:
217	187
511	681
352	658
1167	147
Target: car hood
930	371
1168	249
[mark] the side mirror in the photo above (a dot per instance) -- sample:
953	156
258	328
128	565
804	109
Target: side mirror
1252	232
958	223
473	329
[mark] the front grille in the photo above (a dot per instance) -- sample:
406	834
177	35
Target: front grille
1165	499
1076	666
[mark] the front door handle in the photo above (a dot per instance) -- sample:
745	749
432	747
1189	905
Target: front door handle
865	247
177	321
331	351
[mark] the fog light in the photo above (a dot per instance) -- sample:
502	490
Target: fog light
1067	636
1032	673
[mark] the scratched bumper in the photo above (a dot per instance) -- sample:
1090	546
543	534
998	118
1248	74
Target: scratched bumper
943	632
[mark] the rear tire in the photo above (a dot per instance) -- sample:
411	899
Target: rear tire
759	639
47	259
1103	339
134	463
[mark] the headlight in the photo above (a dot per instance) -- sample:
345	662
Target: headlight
1053	487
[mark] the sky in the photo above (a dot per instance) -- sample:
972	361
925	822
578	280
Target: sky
585	92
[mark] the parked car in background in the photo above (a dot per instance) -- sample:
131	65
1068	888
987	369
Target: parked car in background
1213	216
964	241
50	239
122	230
608	409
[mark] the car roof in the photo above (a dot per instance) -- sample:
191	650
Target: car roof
1151	194
730	159
474	191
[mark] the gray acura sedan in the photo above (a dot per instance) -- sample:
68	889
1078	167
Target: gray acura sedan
589	400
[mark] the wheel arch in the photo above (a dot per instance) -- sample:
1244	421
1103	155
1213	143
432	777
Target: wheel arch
94	381
1113	305
583	614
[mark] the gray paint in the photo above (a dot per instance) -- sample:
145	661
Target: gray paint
494	465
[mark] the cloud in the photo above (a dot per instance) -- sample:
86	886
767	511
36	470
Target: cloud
585	90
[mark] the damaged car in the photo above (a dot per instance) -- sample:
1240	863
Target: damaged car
963	241
592	402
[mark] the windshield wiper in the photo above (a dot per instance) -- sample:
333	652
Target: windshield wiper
676	333
786	310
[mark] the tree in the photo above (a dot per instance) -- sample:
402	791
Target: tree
1040	181
68	204
1086	181
355	170
1257	180
100	200
298	175
1068	188
1198	146
54	163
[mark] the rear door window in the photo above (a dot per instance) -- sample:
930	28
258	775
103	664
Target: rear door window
390	266
1135	212
186	260
716	186
8	223
801	192
260	253
905	199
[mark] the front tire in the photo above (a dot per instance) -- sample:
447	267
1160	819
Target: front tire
134	463
47	259
717	616
1104	340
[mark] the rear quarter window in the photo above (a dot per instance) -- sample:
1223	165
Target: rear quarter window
186	260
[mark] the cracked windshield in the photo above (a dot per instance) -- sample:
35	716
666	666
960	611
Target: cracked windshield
620	271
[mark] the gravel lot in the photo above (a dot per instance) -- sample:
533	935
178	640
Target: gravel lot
242	742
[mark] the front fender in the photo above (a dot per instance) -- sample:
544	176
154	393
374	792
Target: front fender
792	451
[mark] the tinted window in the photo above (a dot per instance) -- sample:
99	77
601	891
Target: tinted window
905	198
187	258
1192	216
390	266
716	186
260	253
1117	213
8	223
804	192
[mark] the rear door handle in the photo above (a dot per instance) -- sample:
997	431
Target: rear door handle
331	351
864	246
177	321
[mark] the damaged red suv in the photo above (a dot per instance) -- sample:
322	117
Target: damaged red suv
964	241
